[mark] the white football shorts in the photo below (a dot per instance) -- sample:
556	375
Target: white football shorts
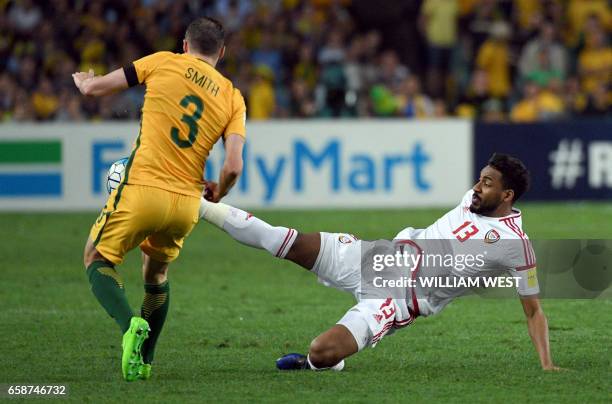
339	266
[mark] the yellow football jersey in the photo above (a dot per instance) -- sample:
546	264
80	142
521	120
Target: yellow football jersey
188	106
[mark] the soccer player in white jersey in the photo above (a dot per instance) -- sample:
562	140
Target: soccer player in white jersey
485	215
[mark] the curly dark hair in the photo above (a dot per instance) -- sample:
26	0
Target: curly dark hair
515	175
205	35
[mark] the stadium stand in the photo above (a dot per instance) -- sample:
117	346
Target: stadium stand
493	60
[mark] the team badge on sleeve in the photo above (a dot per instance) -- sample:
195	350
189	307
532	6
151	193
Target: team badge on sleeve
346	238
491	237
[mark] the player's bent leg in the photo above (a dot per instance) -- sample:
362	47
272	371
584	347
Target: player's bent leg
154	306
159	249
327	352
128	220
107	286
365	324
331	348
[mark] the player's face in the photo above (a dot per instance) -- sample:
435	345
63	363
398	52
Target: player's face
489	192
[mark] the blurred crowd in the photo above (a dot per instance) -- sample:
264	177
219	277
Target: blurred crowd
492	60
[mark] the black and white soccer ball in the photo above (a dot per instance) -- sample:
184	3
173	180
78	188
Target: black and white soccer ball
115	174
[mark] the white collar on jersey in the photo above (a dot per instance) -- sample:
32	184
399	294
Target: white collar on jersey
516	213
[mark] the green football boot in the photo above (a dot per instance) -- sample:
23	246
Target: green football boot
131	360
145	372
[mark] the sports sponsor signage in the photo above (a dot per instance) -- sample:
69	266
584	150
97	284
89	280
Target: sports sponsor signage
568	160
288	164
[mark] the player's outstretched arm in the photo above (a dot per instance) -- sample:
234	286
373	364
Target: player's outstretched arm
89	84
538	330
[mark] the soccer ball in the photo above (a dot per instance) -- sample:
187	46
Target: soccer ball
115	174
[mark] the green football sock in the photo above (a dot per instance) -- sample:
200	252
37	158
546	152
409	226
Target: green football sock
154	310
107	286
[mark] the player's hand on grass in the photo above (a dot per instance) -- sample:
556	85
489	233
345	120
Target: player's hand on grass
553	368
81	77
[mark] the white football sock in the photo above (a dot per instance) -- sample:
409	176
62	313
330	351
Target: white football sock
336	368
248	229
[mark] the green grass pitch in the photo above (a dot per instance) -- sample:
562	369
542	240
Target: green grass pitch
234	310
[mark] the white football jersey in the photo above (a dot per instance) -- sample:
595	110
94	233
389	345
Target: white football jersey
501	242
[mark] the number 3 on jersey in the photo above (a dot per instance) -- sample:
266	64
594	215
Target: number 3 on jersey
190	120
462	233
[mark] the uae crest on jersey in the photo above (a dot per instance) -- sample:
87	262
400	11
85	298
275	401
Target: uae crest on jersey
491	237
346	238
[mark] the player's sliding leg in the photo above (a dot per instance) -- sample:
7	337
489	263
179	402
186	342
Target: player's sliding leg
154	306
327	352
279	241
365	324
331	348
107	287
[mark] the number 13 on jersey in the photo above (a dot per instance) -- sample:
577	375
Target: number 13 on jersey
465	231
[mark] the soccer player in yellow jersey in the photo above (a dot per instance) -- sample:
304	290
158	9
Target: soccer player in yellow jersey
188	107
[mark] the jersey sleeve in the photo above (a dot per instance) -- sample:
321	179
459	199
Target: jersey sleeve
522	265
409	233
527	281
146	65
237	123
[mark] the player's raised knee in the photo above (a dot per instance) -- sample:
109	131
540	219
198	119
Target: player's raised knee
324	352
